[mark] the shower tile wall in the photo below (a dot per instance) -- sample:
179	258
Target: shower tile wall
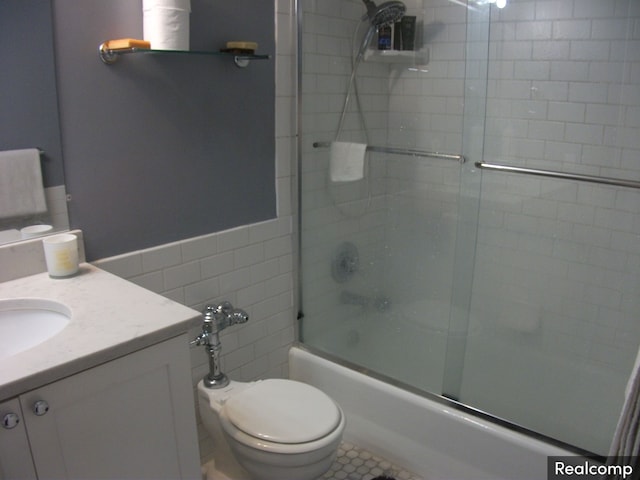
556	278
558	262
563	94
426	113
333	212
416	108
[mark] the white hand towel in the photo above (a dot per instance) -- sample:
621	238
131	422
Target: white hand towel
21	190
347	161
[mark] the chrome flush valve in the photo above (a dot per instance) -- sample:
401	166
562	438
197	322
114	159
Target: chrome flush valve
214	320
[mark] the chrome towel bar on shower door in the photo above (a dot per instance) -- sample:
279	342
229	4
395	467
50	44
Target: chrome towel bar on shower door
403	151
619	182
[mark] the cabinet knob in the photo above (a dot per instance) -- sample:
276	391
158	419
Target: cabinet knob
10	420
40	407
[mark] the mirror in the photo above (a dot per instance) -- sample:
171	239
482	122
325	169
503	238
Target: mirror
29	108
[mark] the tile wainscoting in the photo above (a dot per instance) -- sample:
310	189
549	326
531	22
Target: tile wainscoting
250	266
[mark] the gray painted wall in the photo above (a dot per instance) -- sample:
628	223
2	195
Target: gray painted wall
162	148
28	103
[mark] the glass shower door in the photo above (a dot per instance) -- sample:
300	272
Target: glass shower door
555	297
513	293
378	253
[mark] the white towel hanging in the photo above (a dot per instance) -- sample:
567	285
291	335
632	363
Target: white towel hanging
347	161
21	190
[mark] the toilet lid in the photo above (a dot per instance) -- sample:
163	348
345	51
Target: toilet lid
283	411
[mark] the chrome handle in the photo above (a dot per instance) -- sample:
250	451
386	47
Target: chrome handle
10	420
40	407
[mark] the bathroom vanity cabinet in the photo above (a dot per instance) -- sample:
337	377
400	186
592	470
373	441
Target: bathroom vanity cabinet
129	418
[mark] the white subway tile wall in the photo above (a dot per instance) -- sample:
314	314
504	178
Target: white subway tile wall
250	266
564	89
404	204
558	262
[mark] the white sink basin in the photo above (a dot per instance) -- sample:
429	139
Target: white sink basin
27	322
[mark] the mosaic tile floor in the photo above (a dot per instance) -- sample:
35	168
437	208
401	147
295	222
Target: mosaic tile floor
354	463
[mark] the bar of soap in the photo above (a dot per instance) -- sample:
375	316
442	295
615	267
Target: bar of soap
240	47
125	43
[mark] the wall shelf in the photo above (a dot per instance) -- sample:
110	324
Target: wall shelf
110	56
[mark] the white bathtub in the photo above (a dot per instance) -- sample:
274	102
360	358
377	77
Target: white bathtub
552	392
422	435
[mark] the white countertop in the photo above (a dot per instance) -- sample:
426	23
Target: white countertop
111	317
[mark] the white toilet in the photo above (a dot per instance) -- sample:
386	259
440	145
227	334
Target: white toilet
270	430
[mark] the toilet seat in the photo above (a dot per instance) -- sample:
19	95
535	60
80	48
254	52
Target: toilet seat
282	416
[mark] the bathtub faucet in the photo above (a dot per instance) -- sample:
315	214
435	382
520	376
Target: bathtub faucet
214	320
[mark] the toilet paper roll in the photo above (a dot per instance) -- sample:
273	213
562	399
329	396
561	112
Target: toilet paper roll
166	23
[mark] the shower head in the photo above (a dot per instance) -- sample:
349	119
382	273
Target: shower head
386	13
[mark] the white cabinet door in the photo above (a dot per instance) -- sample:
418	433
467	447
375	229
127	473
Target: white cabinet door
15	456
131	418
